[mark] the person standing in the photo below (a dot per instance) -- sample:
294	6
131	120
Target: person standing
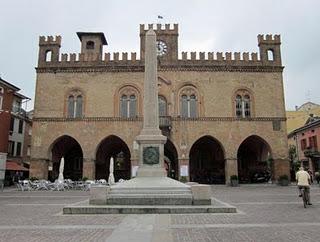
317	176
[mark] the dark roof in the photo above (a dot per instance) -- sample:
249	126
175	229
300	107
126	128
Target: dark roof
12	166
312	119
21	96
100	34
9	85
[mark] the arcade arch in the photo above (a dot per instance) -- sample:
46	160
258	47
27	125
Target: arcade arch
207	161
113	146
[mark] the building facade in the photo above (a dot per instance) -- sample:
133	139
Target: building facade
297	118
305	141
223	113
14	126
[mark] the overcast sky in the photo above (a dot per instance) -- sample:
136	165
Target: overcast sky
204	25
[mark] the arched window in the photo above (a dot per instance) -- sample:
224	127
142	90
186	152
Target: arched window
78	111
243	104
270	55
71	107
184	106
48	55
162	106
193	106
188	103
246	103
1	97
128	106
75	105
128	102
90	45
123	106
132	106
239	106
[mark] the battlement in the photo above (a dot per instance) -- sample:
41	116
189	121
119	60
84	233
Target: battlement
219	56
269	39
269	53
50	40
159	28
94	57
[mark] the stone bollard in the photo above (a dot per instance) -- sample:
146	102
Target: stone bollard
201	194
98	194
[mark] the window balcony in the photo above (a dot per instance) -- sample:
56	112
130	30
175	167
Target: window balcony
311	152
165	122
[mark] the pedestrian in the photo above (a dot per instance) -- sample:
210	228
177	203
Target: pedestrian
311	176
317	176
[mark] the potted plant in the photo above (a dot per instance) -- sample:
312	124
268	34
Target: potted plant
234	181
183	179
33	178
283	180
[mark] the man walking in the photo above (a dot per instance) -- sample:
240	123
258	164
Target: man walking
303	181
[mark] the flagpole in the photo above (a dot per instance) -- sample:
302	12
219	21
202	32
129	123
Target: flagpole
160	17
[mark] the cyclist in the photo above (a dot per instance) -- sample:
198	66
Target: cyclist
303	181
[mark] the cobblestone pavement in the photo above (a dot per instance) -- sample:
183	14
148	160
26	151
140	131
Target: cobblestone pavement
265	213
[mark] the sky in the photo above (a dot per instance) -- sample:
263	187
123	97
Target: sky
204	25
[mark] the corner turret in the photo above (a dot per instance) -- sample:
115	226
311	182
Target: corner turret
92	43
49	49
269	47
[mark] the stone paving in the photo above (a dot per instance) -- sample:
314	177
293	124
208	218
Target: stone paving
265	213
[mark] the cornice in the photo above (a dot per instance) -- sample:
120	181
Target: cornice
174	67
139	119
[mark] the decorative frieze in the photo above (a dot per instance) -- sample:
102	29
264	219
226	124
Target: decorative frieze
139	119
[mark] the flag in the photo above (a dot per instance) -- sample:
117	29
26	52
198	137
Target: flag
160	17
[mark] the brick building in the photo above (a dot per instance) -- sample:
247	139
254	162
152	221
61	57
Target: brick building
14	125
223	113
306	139
298	117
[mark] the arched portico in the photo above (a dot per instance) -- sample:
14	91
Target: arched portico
113	146
207	162
171	159
253	156
67	147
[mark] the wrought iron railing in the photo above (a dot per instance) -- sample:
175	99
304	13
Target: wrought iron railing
165	122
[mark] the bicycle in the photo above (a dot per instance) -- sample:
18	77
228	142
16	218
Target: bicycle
303	190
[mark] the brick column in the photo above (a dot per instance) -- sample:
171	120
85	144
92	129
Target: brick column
281	167
231	168
89	168
39	168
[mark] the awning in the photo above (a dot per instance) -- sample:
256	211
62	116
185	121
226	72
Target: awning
12	166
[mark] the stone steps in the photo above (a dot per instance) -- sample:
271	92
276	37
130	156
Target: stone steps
109	209
150	191
149	197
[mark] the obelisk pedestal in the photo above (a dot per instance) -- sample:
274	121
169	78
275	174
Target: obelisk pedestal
151	191
151	186
151	141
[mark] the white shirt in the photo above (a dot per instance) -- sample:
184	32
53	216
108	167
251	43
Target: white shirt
303	178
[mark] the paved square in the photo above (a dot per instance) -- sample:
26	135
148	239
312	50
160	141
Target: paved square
266	213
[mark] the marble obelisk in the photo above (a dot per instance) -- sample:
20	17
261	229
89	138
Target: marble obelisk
151	141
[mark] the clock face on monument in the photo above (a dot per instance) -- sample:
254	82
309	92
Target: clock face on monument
161	48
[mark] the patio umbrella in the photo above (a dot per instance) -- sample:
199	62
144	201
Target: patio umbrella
61	168
111	177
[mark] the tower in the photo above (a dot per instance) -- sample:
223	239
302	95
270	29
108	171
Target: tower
49	49
269	48
92	43
167	41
